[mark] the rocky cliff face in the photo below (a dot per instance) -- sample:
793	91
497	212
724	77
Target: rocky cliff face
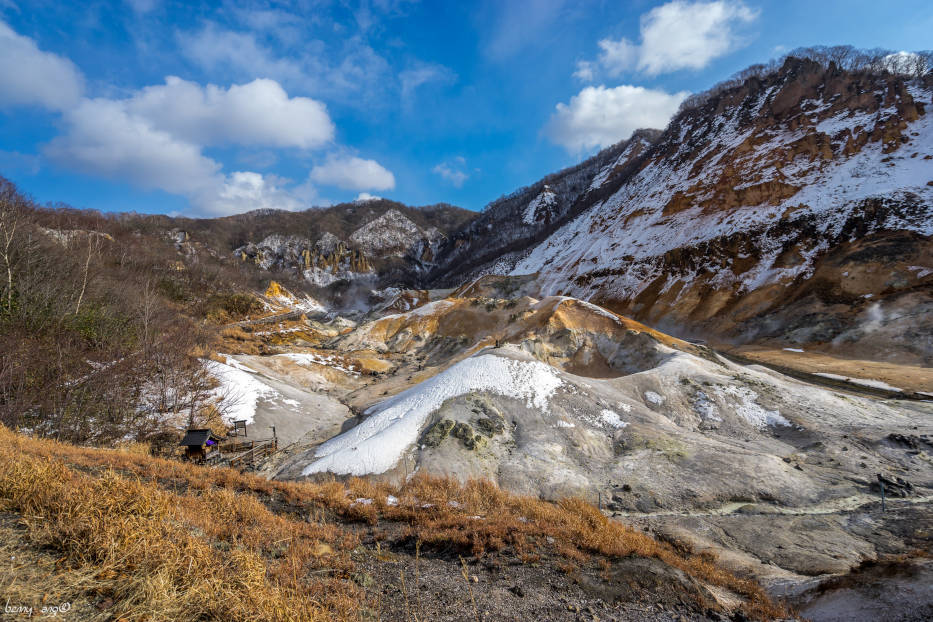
796	206
387	249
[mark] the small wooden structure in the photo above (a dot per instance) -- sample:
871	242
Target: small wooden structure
200	444
239	429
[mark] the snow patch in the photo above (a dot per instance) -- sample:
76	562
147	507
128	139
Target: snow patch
654	398
378	443
313	358
875	384
611	418
705	407
920	270
749	409
240	389
546	200
424	310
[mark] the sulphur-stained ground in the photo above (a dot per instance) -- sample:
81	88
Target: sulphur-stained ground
774	473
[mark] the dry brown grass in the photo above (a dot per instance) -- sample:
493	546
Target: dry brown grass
238	340
167	537
157	554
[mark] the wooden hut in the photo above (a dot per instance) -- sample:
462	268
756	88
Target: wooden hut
200	444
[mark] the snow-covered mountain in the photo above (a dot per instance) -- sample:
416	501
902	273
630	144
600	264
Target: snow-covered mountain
510	225
792	206
795	205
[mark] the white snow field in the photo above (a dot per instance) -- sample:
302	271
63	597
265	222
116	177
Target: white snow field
377	444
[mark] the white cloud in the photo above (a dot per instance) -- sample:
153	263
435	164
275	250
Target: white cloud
29	76
423	73
243	191
353	173
365	196
598	116
351	70
257	113
104	138
618	56
215	48
585	71
679	35
452	171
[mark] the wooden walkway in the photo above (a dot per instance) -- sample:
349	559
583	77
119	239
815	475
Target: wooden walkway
243	454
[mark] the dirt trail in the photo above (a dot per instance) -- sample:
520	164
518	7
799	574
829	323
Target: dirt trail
915	381
845	504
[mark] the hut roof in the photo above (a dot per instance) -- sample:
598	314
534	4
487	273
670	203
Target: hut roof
197	438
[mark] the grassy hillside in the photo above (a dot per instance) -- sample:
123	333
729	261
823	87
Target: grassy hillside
127	536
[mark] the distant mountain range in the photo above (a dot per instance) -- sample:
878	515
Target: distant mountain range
792	205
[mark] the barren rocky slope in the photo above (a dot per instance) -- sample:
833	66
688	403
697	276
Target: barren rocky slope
558	397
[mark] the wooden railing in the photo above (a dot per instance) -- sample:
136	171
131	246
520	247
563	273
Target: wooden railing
249	452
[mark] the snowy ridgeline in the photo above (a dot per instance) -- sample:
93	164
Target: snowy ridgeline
632	223
377	444
394	426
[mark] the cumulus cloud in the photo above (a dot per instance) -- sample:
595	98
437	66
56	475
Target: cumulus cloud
363	197
679	35
452	171
102	138
244	191
259	112
618	56
353	173
29	76
106	138
599	116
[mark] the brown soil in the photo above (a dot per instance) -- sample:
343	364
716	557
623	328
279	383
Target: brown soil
906	377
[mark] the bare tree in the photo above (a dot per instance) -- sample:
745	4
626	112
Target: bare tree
10	222
93	246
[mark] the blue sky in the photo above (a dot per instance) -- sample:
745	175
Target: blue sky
216	108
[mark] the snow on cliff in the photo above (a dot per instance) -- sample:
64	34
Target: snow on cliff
391	232
539	206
